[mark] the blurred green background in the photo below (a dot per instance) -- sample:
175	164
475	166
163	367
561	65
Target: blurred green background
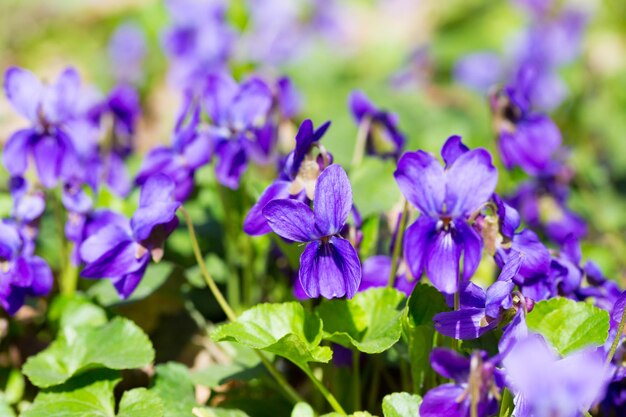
45	36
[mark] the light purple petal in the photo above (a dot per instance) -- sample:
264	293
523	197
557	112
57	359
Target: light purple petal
330	269
220	91
471	180
422	180
360	106
376	270
479	71
442	263
333	200
255	224
232	162
60	99
158	188
42	277
498	295
104	240
291	219
472	248
126	284
24	91
120	261
199	151
251	105
147	218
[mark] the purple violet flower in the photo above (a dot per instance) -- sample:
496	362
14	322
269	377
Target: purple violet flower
127	49
548	386
122	252
376	270
382	135
476	382
298	177
48	108
446	197
191	149
21	273
241	127
329	265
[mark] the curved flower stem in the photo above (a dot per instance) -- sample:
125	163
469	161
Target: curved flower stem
397	246
361	140
330	398
230	314
618	336
356	379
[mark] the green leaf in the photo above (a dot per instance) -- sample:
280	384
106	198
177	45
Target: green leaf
569	325
14	389
90	394
302	410
156	275
424	303
401	404
374	177
369	322
218	412
140	402
173	385
76	311
119	344
284	329
245	365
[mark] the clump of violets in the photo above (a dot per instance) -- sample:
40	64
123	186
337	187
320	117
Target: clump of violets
48	108
329	265
22	273
447	197
122	250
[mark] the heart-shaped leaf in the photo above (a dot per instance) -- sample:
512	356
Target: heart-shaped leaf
401	404
284	329
369	322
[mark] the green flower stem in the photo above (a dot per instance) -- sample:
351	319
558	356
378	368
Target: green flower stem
233	284
330	398
356	380
506	404
618	336
68	274
361	140
280	379
397	247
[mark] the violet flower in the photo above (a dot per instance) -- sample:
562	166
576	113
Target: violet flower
476	382
329	265
21	273
240	124
480	311
297	179
548	386
383	137
122	252
127	50
525	139
191	149
376	271
48	108
447	197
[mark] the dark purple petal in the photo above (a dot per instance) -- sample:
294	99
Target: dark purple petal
289	99
15	151
498	296
330	269
466	324
422	180
60	99
117	177
508	216
147	219
126	284
360	106
442	401
10	241
42	279
157	160
536	257
48	155
376	270
333	200
442	262
232	162
305	137
21	273
471	180
220	92
121	260
618	310
472	248
291	219
24	91
103	240
452	149
198	152
472	296
255	223
450	364
417	240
